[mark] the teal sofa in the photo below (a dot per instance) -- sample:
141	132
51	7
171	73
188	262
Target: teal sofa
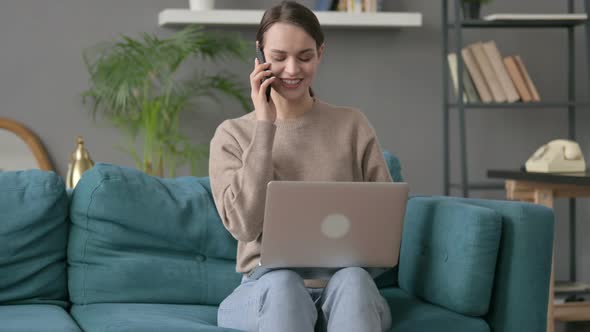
128	252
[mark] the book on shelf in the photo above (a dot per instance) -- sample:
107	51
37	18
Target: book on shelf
497	78
492	81
469	93
355	6
369	6
497	64
517	79
476	76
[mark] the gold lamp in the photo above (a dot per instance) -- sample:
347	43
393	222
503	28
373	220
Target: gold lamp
80	162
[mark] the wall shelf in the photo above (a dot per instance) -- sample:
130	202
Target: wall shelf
544	104
181	17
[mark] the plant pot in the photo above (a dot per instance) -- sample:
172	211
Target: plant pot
201	4
471	10
149	169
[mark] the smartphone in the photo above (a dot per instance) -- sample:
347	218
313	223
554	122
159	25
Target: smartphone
261	59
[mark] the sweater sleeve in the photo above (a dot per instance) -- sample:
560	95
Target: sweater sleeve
239	179
373	163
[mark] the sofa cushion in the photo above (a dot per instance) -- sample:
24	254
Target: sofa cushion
448	255
138	238
33	238
409	314
35	318
119	317
523	270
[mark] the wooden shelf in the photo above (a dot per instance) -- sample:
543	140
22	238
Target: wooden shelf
180	17
572	311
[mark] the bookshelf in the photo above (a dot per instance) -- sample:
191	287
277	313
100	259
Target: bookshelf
456	28
180	17
569	311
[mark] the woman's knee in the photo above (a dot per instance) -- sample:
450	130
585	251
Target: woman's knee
353	276
353	282
285	285
284	293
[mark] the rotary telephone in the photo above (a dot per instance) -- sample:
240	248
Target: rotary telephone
557	156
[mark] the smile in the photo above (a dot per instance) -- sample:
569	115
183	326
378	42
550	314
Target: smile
291	83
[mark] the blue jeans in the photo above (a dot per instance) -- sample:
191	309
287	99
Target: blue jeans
279	301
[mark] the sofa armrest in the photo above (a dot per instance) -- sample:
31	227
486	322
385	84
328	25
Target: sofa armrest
522	273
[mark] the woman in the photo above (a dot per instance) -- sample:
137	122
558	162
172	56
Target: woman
292	136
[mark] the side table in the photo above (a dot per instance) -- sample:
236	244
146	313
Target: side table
543	188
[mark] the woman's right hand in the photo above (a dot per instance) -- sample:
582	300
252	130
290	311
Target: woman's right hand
265	110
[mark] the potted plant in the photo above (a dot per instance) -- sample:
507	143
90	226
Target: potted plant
201	4
134	84
472	8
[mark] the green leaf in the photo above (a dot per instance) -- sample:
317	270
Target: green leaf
133	84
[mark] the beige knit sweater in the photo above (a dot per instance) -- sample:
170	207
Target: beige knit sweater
327	143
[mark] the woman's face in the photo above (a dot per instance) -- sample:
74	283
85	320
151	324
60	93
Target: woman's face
294	59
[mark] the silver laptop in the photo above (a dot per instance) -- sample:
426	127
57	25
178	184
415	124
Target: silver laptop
332	224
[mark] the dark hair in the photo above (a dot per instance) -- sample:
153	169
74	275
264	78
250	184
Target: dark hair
293	13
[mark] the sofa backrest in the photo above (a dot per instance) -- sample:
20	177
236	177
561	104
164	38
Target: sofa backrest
449	253
395	167
33	238
137	238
